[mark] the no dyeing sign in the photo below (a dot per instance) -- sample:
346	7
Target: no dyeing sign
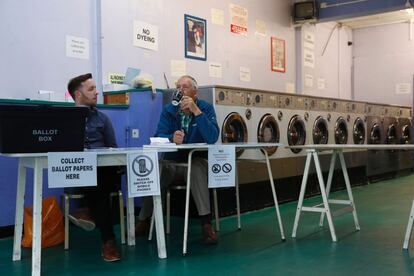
71	169
145	35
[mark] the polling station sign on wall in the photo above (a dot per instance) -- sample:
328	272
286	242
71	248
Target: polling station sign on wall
221	166
143	174
71	169
145	35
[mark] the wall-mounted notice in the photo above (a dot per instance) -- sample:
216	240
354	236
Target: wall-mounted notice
261	27
116	78
290	87
308	80
309	40
145	35
143	174
321	83
71	169
245	74
215	70
403	88
77	47
177	68
308	58
238	19
217	17
221	166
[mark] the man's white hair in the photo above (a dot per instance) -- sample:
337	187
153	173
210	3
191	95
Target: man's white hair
192	80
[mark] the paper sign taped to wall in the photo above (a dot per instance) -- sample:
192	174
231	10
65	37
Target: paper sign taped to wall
77	47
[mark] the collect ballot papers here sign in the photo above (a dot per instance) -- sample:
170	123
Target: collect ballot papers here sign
71	169
143	174
221	166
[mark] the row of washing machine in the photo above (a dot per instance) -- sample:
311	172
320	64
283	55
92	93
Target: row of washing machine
248	115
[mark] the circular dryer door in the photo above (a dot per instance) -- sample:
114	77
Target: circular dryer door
268	132
405	135
392	134
320	132
359	131
234	130
375	134
296	133
341	131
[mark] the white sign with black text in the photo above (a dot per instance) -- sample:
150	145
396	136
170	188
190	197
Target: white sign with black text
145	35
71	169
221	166
143	174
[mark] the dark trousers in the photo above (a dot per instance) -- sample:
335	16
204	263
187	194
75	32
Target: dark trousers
98	201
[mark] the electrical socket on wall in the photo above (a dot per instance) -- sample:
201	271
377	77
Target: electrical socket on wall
135	133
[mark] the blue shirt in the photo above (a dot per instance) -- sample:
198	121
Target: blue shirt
99	132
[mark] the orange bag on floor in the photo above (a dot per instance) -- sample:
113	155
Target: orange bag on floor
53	231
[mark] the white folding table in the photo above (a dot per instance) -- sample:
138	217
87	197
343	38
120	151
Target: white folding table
337	151
38	162
204	147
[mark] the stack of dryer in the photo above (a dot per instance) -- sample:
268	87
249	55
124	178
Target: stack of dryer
405	160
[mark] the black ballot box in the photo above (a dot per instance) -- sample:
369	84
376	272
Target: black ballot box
41	128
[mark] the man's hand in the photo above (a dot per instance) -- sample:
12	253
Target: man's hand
178	137
188	105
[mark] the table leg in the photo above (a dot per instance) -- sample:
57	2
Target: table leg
216	212
187	203
37	217
324	196
130	220
302	192
329	182
159	227
237	199
18	224
279	218
348	188
409	228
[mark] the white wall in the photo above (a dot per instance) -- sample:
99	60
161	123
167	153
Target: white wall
231	50
383	57
32	48
333	65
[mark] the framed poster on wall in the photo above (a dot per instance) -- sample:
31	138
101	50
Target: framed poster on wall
195	35
278	54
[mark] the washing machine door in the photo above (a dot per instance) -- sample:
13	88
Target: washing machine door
405	134
375	136
234	130
341	131
296	133
359	131
268	132
320	132
391	134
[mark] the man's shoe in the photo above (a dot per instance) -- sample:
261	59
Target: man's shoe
82	219
142	227
209	236
110	252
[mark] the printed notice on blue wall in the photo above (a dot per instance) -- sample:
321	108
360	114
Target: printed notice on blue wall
145	35
221	166
71	169
143	174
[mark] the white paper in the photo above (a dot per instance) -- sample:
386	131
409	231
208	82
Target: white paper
290	87
245	74
215	70
143	174
71	169
145	35
221	166
238	19
308	80
321	83
308	58
261	27
403	88
309	40
178	68
77	47
160	141
217	17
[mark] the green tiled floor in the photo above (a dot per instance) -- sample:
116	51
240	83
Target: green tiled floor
383	210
